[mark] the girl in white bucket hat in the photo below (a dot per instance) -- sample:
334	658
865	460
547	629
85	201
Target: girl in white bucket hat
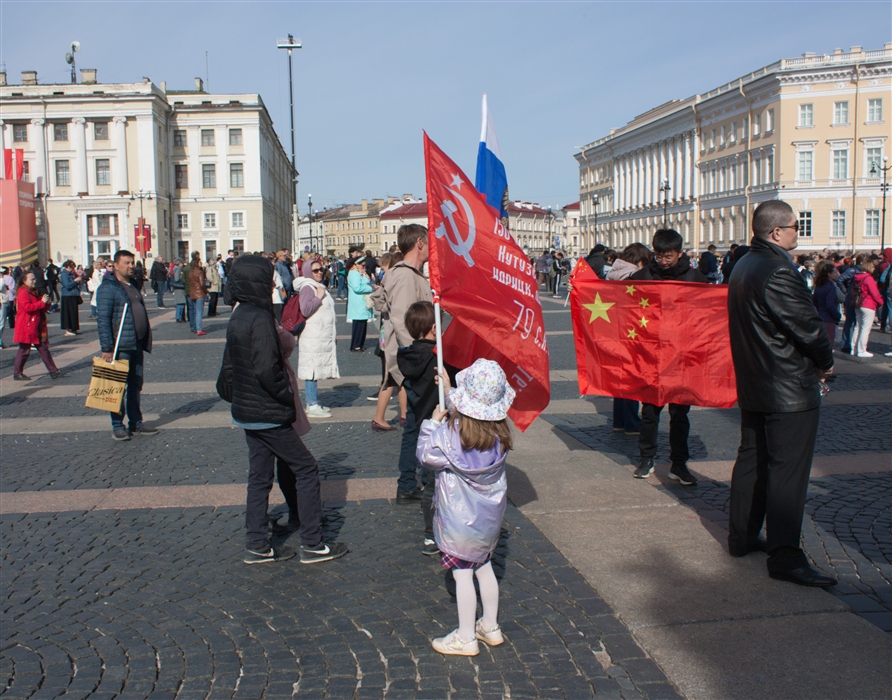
466	448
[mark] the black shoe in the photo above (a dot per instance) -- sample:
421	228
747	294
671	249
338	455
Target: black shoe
280	553
56	374
407	497
805	575
679	472
736	550
144	430
322	552
21	377
430	548
645	469
120	434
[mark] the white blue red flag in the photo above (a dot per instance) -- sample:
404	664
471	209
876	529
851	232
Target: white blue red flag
492	182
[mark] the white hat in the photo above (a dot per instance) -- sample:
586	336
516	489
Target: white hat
483	392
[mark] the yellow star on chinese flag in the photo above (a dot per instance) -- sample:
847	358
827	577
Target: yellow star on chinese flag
599	309
643	322
644	303
630	289
632	333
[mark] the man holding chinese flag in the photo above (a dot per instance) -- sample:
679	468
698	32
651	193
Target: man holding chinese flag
659	337
481	276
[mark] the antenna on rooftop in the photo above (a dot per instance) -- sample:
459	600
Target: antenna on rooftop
69	59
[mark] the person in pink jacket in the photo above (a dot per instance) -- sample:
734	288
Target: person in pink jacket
871	299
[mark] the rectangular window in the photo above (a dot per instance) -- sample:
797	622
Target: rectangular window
769	121
60	132
806	115
238	219
875	110
183	221
103	172
235	137
207	137
20	133
100	131
757	124
805	224
838	225
724	135
733	135
236	175
769	168
210	220
26	170
872	223
874	158
181	176
179	138
208	175
63	174
806	166
238	246
841	112
840	164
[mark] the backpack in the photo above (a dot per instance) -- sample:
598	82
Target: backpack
854	298
293	319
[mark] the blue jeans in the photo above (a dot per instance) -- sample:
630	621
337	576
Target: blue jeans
196	311
180	312
409	465
130	402
342	291
311	391
845	342
159	295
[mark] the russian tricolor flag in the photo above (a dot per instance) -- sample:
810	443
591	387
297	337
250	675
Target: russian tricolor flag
491	179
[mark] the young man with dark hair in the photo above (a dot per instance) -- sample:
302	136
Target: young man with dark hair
669	264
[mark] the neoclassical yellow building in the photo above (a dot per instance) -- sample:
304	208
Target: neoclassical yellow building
805	130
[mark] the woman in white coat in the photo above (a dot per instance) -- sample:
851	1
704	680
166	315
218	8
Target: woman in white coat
317	357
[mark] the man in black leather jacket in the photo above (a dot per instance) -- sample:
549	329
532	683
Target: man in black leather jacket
781	354
669	263
254	380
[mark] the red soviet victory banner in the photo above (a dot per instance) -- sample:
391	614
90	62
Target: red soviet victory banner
656	342
484	280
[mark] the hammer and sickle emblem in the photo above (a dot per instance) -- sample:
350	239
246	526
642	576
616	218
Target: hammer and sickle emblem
460	246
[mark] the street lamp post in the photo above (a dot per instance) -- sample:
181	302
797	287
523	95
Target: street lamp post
289	45
141	195
665	189
874	170
595	202
310	220
550	241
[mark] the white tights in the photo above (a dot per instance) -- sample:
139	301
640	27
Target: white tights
467	599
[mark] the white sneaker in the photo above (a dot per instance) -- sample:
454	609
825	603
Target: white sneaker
316	411
452	644
865	354
492	636
889	354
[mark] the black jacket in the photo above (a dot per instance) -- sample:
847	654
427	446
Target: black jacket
680	272
418	363
777	337
253	376
158	273
596	262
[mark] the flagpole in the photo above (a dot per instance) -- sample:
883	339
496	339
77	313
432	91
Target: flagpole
439	326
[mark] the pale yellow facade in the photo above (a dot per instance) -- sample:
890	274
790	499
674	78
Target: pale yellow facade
803	130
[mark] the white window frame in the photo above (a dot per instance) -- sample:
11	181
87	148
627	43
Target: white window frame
837	218
188	219
232	245
180	142
871	218
176	179
806	223
208	169
769	121
877	108
841	113
232	184
872	145
17	133
204	226
96	127
67	172
208	140
96	172
836	155
56	134
239	137
801	148
806	116
244	224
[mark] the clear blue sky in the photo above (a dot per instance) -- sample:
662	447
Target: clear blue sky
373	75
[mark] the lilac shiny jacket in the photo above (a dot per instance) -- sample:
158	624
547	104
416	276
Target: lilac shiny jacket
471	494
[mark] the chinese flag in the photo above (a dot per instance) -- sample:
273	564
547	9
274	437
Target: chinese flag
657	342
484	280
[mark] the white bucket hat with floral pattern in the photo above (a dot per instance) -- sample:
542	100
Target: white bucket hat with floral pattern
482	392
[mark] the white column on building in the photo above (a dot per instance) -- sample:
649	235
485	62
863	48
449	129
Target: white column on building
614	166
222	144
194	141
119	143
695	170
147	159
670	167
79	169
629	182
653	180
38	171
636	179
676	170
621	189
662	166
688	164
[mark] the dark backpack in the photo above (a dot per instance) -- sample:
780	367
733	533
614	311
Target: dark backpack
854	297
293	319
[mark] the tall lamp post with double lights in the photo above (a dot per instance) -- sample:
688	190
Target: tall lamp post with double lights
289	44
310	219
595	202
665	189
875	170
141	234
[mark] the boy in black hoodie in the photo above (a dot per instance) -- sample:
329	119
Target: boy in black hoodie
418	363
670	264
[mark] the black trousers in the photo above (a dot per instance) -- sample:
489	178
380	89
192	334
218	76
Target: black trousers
212	303
679	429
357	334
264	448
69	316
770	481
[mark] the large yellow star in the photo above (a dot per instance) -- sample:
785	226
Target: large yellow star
644	303
630	289
643	322
632	333
599	309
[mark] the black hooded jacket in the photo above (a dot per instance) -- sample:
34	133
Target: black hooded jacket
418	363
253	377
679	272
